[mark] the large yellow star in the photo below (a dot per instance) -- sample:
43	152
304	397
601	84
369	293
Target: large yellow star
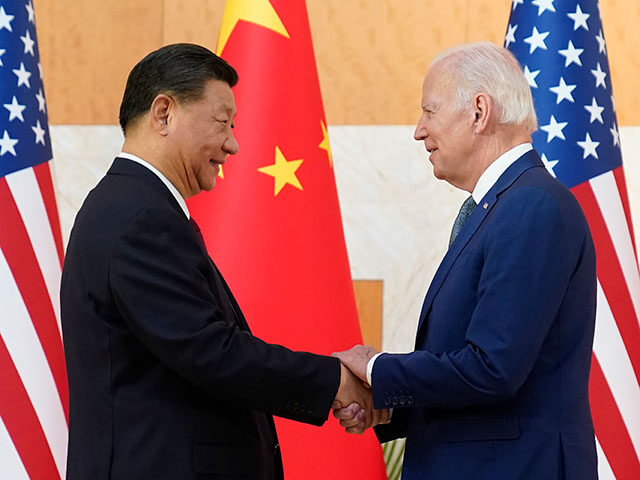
260	12
324	144
283	171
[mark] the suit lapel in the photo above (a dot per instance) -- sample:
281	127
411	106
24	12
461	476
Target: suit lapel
124	166
528	160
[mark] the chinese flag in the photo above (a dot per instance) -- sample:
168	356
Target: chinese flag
272	223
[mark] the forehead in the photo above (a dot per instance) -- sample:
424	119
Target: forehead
218	95
439	83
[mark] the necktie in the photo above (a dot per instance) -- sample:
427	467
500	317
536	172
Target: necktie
463	215
196	229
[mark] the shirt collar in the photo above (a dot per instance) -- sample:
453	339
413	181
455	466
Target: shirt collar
174	191
493	172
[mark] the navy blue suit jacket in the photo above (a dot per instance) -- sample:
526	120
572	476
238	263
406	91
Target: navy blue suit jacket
497	387
165	379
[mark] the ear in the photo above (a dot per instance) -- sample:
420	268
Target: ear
161	112
484	111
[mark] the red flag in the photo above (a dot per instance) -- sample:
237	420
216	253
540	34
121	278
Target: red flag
273	225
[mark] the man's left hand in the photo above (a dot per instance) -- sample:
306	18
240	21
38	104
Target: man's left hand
356	359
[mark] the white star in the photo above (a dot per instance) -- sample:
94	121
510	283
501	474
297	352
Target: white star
544	5
571	54
29	8
563	91
531	76
1	53
536	40
40	98
589	147
23	75
515	4
39	131
5	20
600	76
579	19
554	129
510	38
549	164
15	109
601	45
595	110
7	144
616	135
28	43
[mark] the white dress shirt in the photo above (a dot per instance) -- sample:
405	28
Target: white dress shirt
174	191
487	180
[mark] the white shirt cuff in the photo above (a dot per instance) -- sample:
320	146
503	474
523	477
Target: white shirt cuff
370	366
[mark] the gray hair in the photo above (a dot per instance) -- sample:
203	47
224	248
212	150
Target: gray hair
485	68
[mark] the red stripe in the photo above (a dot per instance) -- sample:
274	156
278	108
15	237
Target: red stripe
43	175
22	423
610	276
17	248
618	174
610	427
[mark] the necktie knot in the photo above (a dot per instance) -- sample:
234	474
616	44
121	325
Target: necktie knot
463	215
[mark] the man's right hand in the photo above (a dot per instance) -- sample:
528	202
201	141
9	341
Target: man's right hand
353	405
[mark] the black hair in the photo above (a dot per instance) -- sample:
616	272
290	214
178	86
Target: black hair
180	70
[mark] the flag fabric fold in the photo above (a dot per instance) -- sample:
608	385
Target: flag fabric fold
33	385
272	223
563	53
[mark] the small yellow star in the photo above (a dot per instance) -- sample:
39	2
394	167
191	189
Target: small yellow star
260	12
283	171
324	144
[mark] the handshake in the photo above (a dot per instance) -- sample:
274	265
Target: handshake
353	405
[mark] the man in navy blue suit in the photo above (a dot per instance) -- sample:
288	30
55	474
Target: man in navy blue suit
497	387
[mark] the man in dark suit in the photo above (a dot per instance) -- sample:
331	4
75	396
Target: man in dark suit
497	387
166	380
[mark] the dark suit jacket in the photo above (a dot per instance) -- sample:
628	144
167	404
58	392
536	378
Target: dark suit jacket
498	385
166	380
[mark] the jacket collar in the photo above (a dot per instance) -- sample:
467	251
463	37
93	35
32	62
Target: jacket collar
124	166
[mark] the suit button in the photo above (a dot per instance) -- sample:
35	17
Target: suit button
403	400
394	399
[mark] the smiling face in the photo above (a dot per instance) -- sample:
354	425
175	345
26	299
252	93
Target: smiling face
202	136
445	128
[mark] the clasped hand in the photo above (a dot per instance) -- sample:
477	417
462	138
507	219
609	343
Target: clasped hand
353	405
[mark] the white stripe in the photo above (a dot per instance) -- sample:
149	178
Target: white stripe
604	469
26	192
608	197
11	466
616	366
25	349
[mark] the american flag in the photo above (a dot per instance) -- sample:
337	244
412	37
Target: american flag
33	386
561	47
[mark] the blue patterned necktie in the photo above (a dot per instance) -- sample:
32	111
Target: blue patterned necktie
463	215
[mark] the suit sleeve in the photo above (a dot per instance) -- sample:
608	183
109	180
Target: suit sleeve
529	258
158	277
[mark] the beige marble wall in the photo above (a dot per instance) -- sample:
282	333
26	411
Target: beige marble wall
396	215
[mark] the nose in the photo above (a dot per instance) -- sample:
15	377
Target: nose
231	145
420	132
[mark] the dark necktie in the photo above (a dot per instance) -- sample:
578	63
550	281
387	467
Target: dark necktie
463	215
196	229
